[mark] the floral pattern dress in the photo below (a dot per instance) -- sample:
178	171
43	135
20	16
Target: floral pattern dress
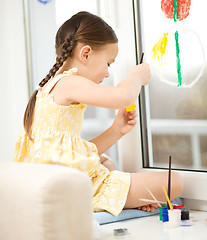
56	140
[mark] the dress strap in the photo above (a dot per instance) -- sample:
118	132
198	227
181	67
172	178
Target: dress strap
53	81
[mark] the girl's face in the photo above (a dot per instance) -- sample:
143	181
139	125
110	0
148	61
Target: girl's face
99	61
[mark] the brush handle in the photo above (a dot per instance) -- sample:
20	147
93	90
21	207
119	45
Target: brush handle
153	201
168	200
169	180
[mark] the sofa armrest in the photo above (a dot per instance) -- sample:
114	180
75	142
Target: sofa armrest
44	202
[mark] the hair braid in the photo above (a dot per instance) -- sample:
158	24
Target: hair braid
67	50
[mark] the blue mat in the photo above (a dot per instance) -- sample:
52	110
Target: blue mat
105	217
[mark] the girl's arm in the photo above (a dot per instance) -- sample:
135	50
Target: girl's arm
123	123
79	89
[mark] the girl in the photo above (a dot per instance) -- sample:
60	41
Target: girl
86	46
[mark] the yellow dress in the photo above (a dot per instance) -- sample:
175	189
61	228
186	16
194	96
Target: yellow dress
56	140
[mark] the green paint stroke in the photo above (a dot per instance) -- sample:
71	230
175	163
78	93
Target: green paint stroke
178	59
176	17
175	10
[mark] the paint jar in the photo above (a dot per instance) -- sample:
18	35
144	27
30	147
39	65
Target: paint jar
160	211
165	215
174	216
185	214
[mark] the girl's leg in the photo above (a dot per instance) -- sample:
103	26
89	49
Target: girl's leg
155	182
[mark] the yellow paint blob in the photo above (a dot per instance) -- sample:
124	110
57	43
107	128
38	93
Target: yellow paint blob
159	48
131	108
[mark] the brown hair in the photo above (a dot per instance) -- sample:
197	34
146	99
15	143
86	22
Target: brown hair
82	27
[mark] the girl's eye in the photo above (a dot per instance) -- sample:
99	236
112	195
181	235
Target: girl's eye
108	65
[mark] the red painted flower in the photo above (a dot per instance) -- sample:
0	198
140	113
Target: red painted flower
183	8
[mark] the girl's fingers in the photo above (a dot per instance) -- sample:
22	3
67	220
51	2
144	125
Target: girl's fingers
148	208
132	122
155	205
132	115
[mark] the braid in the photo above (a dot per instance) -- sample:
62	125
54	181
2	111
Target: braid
67	50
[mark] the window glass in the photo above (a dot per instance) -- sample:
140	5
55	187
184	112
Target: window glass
174	41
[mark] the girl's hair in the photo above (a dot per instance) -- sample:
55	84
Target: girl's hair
82	27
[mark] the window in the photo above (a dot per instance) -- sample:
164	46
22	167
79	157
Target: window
173	119
176	116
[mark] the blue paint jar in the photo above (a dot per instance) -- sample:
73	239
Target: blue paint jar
160	211
165	215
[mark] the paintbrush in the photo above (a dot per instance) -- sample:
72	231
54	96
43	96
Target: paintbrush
153	201
168	200
169	181
150	193
141	59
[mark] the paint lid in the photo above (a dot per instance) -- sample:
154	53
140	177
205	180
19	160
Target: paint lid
120	231
179	206
185	223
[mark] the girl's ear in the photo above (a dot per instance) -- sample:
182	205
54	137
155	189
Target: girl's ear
85	53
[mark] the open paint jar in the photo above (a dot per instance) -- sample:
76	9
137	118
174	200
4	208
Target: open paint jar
174	216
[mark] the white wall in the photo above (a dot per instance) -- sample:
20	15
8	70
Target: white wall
42	31
13	79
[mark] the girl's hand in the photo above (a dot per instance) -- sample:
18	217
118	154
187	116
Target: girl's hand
141	71
148	208
124	121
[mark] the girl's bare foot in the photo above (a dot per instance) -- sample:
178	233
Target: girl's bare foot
149	207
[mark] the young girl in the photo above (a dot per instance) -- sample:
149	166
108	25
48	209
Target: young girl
86	46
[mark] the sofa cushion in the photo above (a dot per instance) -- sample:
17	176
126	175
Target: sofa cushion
44	202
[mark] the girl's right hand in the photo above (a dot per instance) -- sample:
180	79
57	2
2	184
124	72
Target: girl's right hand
141	71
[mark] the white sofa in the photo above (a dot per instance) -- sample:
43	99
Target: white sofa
44	202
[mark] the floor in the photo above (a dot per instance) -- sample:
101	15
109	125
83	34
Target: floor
149	228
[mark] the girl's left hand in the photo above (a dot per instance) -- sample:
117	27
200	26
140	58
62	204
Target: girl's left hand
124	121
